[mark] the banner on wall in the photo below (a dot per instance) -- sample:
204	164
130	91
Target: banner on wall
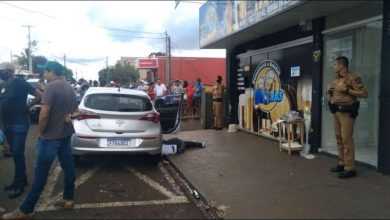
147	63
218	19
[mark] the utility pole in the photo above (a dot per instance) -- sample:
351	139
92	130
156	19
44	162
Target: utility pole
29	48
106	70
177	2
167	58
65	60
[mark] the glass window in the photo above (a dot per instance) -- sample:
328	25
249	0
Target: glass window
118	102
362	45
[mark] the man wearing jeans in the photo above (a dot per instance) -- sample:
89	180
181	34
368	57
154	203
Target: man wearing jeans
198	95
6	148
16	122
55	129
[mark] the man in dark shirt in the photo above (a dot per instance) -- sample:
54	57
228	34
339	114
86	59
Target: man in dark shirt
16	122
55	131
6	148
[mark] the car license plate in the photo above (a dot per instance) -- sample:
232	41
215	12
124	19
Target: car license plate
118	142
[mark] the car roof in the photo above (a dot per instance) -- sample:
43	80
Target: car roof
114	90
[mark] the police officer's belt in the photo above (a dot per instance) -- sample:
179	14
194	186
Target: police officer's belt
351	109
217	100
343	108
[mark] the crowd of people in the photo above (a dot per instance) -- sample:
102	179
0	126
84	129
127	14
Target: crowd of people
191	91
59	100
59	103
157	91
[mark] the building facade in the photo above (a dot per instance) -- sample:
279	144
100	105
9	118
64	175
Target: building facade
279	59
183	68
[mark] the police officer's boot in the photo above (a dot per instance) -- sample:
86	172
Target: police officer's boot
337	168
347	174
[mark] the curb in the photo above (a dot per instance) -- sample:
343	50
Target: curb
212	210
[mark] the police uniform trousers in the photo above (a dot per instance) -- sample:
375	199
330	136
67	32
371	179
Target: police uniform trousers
217	110
343	127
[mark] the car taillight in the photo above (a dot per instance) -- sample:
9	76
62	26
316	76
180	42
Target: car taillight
84	114
154	117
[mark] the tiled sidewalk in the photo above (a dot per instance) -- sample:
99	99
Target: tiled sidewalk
249	177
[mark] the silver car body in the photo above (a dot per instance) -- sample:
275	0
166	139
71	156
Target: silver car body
136	130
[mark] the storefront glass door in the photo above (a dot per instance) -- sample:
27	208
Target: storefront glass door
362	45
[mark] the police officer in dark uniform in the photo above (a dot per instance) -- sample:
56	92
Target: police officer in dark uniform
344	91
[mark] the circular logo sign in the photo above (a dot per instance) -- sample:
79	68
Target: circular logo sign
267	87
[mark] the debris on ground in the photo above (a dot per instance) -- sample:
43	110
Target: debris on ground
221	209
195	193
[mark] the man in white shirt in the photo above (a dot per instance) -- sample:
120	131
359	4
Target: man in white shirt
160	91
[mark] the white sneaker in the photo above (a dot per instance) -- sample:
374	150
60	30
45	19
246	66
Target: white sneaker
17	214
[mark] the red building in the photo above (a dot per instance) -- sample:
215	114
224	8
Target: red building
183	68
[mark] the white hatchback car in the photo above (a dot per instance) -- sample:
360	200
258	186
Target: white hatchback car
124	121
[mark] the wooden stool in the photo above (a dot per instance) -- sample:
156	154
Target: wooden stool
290	145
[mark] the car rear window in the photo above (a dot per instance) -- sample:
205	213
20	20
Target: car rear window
117	102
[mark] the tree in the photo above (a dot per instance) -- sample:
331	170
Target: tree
68	73
22	61
122	74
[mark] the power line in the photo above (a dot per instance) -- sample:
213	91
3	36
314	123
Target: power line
10	19
160	38
125	30
53	17
77	60
195	2
173	45
28	10
177	2
68	60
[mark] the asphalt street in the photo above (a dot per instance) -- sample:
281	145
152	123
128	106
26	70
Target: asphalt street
110	187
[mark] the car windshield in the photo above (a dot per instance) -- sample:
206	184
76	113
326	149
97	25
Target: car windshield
117	103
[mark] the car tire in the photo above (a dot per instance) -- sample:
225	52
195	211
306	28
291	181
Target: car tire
155	159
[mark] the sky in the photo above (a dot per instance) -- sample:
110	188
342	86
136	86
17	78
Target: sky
89	33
